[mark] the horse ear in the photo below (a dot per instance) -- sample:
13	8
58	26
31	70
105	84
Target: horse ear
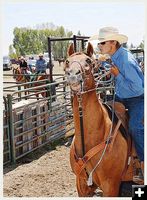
90	49
71	49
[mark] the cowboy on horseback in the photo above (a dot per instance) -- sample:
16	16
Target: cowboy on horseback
24	67
23	64
129	83
41	64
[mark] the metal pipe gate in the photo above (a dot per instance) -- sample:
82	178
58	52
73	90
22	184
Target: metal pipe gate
30	124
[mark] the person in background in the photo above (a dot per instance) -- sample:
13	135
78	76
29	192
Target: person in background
24	68
129	82
18	60
41	64
23	65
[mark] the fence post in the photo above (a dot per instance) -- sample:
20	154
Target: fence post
11	129
6	123
75	44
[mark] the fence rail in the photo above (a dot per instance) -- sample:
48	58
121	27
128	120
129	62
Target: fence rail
29	123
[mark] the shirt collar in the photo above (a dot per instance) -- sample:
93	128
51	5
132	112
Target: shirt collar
117	53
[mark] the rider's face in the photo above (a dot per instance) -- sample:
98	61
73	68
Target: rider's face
108	47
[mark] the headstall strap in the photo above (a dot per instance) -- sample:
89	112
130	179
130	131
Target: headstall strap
79	98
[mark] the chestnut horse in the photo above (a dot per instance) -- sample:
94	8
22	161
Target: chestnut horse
99	153
44	90
23	78
60	60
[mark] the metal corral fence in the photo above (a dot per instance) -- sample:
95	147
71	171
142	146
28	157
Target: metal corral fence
29	123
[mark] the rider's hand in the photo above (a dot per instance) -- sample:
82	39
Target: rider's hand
114	70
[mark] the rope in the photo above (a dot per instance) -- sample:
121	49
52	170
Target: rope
89	181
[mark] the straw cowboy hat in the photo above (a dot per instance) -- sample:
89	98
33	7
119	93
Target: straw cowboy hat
22	58
109	33
40	55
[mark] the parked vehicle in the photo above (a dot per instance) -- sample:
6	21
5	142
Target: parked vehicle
7	65
13	61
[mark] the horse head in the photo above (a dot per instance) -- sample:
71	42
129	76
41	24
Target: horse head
79	69
17	74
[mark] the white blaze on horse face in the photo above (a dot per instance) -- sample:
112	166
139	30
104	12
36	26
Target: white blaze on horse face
74	74
76	68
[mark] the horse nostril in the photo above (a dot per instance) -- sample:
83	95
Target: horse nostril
78	72
68	73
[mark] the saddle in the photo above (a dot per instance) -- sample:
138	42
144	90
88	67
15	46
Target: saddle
134	167
24	71
120	112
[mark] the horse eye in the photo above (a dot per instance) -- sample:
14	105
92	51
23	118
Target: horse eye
67	62
88	60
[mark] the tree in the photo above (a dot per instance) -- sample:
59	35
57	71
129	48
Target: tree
29	41
12	53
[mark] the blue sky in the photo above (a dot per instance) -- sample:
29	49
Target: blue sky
88	17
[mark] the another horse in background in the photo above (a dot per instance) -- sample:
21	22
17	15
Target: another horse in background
99	153
60	60
35	80
44	90
21	77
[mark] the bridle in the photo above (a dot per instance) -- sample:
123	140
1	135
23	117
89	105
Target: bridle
17	71
81	76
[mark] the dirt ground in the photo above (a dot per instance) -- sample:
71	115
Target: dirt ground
44	173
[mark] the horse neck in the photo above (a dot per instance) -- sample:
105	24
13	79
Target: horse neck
19	77
95	121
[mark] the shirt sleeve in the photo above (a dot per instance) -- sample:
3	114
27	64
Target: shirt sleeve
128	77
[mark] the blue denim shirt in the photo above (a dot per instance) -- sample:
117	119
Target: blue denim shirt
130	81
41	65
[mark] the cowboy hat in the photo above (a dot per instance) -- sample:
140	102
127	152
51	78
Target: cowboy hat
40	55
109	33
22	58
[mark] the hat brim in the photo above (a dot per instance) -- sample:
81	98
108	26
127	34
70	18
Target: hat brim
118	37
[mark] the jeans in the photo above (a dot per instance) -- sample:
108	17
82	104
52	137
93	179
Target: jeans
135	106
